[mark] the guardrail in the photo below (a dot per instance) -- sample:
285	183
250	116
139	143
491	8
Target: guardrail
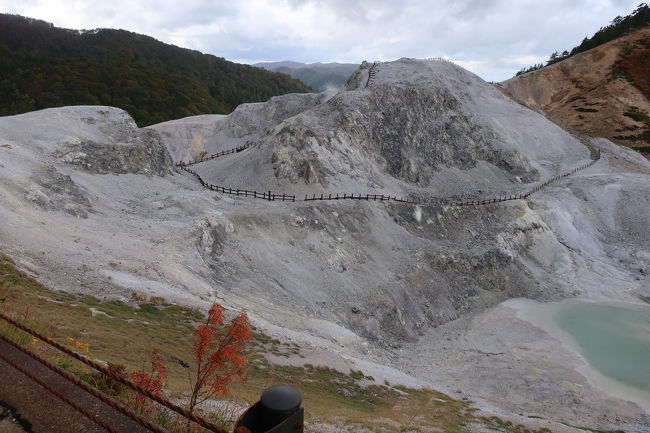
595	156
112	374
371	73
271	196
214	155
278	409
368	197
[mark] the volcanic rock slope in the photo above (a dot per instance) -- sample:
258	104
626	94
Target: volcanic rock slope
95	205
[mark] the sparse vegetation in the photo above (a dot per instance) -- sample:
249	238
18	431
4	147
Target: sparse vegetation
529	69
634	66
131	329
644	135
639	116
497	424
576	98
127	332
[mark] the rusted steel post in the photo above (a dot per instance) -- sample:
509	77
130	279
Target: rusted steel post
278	411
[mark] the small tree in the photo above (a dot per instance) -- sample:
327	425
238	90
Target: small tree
219	352
553	58
151	382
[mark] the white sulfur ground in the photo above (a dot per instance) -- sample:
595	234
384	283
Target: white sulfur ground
299	268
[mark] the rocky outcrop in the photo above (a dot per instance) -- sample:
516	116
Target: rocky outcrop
420	124
51	190
186	139
416	132
142	154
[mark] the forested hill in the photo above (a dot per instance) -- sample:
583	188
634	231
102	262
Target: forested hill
43	66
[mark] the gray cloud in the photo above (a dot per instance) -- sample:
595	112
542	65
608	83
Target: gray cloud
493	38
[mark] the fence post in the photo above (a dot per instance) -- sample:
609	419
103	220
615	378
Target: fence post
277	410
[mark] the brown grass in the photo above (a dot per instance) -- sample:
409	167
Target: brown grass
636	65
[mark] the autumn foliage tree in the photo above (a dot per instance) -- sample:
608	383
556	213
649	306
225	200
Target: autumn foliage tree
219	351
151	381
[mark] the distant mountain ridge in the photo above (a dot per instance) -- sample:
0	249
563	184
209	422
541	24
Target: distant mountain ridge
319	76
43	66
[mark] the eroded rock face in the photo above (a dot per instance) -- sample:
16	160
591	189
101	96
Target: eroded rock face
52	190
133	151
188	138
458	268
214	234
419	131
412	129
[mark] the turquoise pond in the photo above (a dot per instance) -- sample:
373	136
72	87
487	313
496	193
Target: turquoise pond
614	340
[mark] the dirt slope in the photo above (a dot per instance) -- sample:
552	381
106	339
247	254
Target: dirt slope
591	92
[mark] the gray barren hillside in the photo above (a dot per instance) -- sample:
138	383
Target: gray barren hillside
382	283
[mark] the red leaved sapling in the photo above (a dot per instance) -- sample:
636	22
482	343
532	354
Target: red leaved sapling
151	382
219	351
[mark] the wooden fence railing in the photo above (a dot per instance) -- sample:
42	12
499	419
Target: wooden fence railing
271	196
214	155
373	197
371	74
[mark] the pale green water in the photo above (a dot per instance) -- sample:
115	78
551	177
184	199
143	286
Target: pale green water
614	340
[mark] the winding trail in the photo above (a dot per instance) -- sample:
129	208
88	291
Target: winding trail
272	196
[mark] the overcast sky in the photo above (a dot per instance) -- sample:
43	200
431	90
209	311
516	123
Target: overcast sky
492	38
